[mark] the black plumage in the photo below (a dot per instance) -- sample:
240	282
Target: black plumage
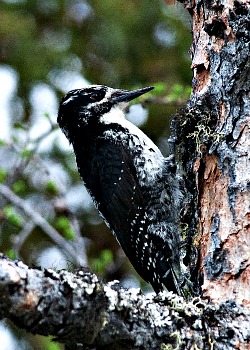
134	187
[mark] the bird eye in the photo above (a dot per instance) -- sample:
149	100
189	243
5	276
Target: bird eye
95	97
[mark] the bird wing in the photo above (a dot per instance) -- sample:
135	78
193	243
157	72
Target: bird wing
112	181
123	204
119	192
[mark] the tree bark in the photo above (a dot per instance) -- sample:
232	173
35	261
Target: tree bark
83	313
214	131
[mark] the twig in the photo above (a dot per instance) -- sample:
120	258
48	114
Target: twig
23	235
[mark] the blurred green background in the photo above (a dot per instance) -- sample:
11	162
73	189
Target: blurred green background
48	48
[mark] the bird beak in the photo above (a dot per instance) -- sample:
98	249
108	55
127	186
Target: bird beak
126	96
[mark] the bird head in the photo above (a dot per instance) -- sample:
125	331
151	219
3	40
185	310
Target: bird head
92	105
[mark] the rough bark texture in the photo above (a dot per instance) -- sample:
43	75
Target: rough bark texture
214	131
83	313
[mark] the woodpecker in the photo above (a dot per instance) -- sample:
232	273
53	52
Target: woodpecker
134	187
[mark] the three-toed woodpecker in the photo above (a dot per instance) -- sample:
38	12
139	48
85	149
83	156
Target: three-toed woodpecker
135	189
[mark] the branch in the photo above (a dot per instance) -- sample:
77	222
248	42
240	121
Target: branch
81	311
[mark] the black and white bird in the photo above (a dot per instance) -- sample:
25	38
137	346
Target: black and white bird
135	189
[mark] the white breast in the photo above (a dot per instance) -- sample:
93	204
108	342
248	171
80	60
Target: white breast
148	159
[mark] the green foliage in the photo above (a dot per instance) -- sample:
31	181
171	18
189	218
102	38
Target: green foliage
160	88
175	93
3	174
20	126
101	262
12	215
26	153
62	223
10	253
19	186
51	187
179	92
115	43
2	143
54	346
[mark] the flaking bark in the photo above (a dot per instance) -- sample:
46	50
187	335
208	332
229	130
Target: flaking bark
83	313
213	137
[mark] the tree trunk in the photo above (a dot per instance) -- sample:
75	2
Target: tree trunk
214	131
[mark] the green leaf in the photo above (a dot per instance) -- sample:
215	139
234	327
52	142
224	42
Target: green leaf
100	263
2	143
3	175
51	187
179	92
160	88
21	126
11	254
11	215
46	115
107	256
19	186
63	224
26	153
69	234
54	346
